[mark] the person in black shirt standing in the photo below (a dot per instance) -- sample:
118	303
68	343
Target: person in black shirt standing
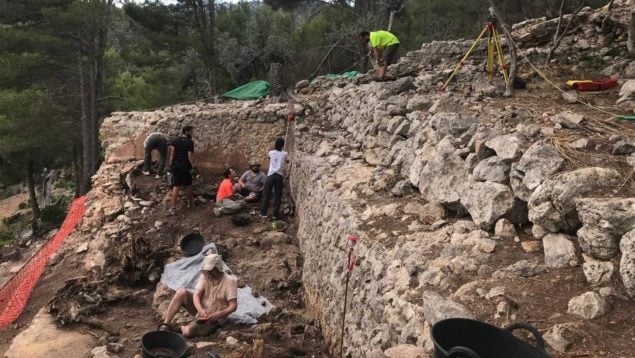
181	151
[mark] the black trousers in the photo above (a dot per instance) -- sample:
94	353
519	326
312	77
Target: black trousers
275	183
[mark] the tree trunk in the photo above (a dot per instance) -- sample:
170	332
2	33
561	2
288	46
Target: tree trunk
77	170
559	35
513	63
35	208
275	79
631	30
363	57
364	7
91	66
204	17
84	184
391	19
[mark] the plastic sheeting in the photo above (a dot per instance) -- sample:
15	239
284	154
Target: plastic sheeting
251	90
184	273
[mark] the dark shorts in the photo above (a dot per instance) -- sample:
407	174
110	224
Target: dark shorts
200	328
203	328
390	53
181	175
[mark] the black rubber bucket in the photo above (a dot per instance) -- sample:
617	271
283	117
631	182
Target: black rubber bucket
163	344
192	244
466	338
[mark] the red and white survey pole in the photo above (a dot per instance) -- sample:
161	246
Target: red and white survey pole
351	241
290	118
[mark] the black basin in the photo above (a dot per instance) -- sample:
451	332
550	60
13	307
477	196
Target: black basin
466	338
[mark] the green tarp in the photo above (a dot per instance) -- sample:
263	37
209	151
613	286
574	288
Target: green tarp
251	90
349	74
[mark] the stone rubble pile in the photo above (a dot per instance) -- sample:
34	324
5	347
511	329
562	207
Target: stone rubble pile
399	162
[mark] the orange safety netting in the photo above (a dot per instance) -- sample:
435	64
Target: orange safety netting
15	293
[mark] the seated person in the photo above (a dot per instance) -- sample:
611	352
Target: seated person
251	183
225	204
213	299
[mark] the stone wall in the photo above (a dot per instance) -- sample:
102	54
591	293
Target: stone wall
379	314
456	197
225	134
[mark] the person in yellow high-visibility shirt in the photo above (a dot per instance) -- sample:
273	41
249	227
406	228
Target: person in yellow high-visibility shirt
384	45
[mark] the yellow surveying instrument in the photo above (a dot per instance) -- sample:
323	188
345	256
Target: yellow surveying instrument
494	49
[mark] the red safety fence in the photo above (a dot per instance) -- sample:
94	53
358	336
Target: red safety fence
15	293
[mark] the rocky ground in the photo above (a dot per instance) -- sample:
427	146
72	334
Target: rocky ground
467	204
267	260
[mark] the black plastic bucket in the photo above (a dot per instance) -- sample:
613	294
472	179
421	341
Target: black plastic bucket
163	344
192	244
466	338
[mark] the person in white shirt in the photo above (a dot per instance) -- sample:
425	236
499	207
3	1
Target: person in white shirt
275	179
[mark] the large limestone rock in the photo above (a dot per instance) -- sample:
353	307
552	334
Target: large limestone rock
504	229
597	242
536	165
492	169
552	205
437	308
487	202
559	250
588	305
627	263
452	124
443	177
42	339
613	215
627	91
562	337
597	272
431	213
605	221
507	147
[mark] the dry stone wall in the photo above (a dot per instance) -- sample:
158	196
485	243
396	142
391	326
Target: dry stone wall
225	134
437	184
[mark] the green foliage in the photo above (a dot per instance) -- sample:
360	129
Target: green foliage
6	236
7	191
157	54
28	133
9	232
54	214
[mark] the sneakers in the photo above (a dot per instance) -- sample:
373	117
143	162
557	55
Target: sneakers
264	217
171	211
157	176
146	173
217	212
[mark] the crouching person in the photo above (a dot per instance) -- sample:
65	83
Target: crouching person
225	203
251	183
213	299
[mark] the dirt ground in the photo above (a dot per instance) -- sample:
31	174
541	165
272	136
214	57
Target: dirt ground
272	269
10	205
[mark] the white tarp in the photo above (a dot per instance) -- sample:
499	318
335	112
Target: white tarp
184	273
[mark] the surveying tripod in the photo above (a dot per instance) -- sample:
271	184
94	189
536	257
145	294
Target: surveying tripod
494	49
